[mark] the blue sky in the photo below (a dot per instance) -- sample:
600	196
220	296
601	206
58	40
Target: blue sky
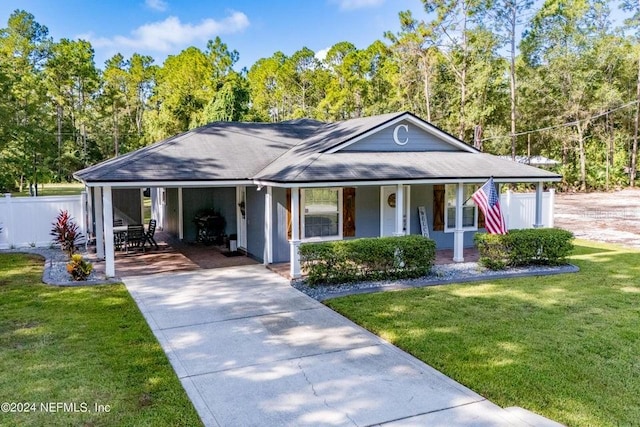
255	28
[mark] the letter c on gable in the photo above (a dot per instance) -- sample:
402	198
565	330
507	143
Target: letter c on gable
395	135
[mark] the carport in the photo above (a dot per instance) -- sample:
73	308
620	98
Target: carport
173	207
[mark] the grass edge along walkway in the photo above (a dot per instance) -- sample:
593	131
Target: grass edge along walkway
566	347
81	346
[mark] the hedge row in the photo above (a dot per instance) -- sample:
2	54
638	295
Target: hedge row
367	259
541	246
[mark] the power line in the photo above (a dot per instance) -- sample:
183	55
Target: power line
573	123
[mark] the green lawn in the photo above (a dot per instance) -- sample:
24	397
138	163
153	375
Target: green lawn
81	345
67	189
566	347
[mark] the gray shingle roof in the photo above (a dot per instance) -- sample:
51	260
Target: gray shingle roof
294	151
218	151
367	166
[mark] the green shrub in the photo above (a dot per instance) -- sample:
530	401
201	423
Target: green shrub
538	246
494	253
367	259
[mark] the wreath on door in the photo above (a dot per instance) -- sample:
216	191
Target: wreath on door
391	200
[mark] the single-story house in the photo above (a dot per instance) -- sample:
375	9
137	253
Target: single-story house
280	184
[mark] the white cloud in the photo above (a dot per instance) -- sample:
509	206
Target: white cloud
171	34
322	53
159	5
357	4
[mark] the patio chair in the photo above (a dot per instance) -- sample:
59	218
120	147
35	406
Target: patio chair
151	231
119	238
135	237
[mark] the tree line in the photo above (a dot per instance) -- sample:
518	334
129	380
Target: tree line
561	80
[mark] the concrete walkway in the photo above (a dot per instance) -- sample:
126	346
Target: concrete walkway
252	351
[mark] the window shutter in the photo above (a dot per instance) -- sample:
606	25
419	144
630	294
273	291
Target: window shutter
438	207
289	213
481	223
349	212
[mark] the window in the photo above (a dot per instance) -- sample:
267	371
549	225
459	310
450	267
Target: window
322	213
469	209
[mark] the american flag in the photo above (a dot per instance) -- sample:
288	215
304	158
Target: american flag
486	198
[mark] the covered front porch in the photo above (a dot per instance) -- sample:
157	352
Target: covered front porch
439	209
268	223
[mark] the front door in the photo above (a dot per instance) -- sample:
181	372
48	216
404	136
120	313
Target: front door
388	209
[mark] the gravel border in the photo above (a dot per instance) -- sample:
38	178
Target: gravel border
55	274
55	267
440	275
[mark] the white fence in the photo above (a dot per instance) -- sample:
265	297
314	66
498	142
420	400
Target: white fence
519	209
27	221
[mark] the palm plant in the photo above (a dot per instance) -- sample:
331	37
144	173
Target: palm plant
66	233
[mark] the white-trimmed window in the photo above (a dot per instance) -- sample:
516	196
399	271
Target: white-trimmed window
321	213
469	209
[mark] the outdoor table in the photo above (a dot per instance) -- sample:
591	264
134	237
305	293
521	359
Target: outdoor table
120	235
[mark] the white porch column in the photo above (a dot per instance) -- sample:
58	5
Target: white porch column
538	223
90	214
294	243
268	230
83	220
180	219
239	216
458	234
107	213
552	207
97	195
506	210
399	210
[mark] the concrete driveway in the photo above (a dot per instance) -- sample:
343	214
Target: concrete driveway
252	351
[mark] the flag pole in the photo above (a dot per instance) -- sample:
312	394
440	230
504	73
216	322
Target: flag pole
470	197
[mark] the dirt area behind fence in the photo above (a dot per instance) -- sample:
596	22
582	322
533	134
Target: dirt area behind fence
606	217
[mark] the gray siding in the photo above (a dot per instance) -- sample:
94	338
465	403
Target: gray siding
280	241
419	140
255	222
422	195
368	211
367	219
171	220
222	200
126	205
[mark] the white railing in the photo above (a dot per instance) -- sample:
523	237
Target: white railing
519	209
27	221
